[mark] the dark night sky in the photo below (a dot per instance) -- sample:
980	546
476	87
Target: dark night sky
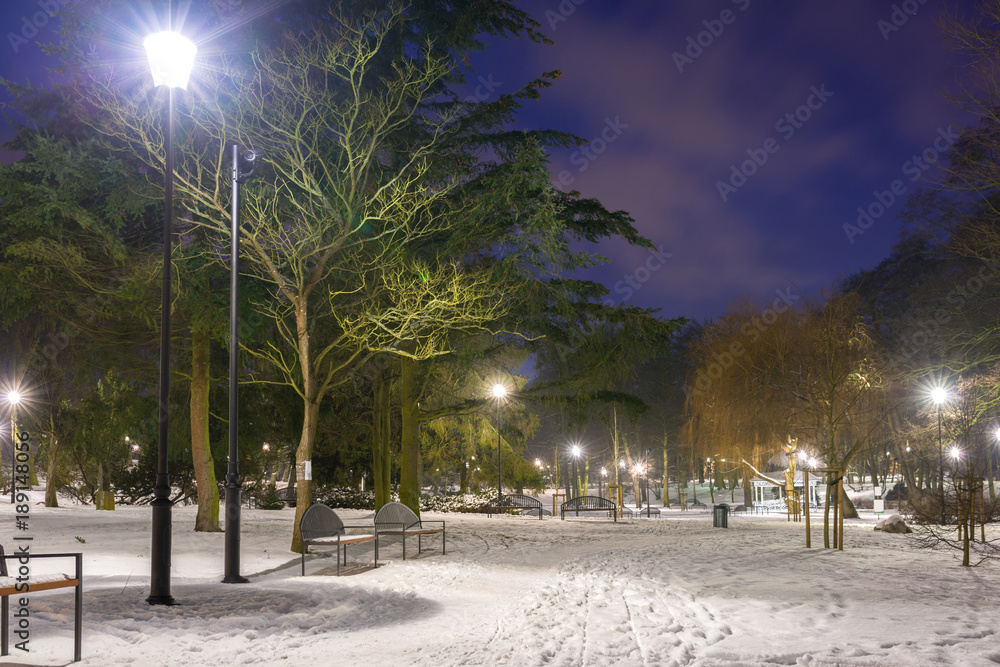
679	133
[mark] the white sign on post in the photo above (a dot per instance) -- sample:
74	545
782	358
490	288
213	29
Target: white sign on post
307	472
879	506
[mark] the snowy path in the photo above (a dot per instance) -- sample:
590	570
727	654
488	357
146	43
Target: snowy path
515	591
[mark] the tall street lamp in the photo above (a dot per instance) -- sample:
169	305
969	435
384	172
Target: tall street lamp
499	391
604	476
13	398
242	168
939	395
171	57
576	478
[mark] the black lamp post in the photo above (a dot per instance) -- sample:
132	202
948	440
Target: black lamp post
576	474
171	57
242	167
499	391
939	395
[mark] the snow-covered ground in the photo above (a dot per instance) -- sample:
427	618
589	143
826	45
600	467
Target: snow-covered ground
517	591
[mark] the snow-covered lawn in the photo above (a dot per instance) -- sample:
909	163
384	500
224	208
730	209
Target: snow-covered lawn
517	591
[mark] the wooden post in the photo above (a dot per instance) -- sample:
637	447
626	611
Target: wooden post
554	496
840	505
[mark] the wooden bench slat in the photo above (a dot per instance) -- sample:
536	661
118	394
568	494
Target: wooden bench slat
39	586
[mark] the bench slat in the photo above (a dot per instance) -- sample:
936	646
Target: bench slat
39	586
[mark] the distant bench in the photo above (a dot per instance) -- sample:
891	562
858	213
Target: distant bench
398	519
320	526
35	584
514	501
588	504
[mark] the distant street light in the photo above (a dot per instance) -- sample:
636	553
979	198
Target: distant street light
575	450
13	398
939	395
499	391
171	57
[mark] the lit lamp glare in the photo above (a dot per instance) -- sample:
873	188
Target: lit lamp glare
13	397
939	395
171	57
499	391
956	453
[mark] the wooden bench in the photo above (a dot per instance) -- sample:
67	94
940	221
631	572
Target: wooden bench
320	525
514	501
588	504
9	586
398	519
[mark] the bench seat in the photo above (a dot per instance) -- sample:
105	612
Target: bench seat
398	519
320	525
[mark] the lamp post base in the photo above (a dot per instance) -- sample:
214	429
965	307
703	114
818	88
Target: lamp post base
159	588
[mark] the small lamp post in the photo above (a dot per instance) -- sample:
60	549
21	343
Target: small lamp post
171	57
499	391
601	479
13	398
640	471
939	395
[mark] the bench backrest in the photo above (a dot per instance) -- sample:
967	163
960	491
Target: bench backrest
393	516
320	521
518	500
589	503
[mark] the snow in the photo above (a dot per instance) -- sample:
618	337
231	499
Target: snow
515	591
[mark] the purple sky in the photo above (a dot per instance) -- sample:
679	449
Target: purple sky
784	226
674	135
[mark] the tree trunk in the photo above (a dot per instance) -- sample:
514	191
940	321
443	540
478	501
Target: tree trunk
747	487
51	498
310	415
381	424
409	455
666	475
850	511
207	519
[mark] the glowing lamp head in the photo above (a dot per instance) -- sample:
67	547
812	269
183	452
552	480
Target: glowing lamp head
956	453
538	462
939	395
171	58
639	468
576	450
13	397
499	391
803	456
604	472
